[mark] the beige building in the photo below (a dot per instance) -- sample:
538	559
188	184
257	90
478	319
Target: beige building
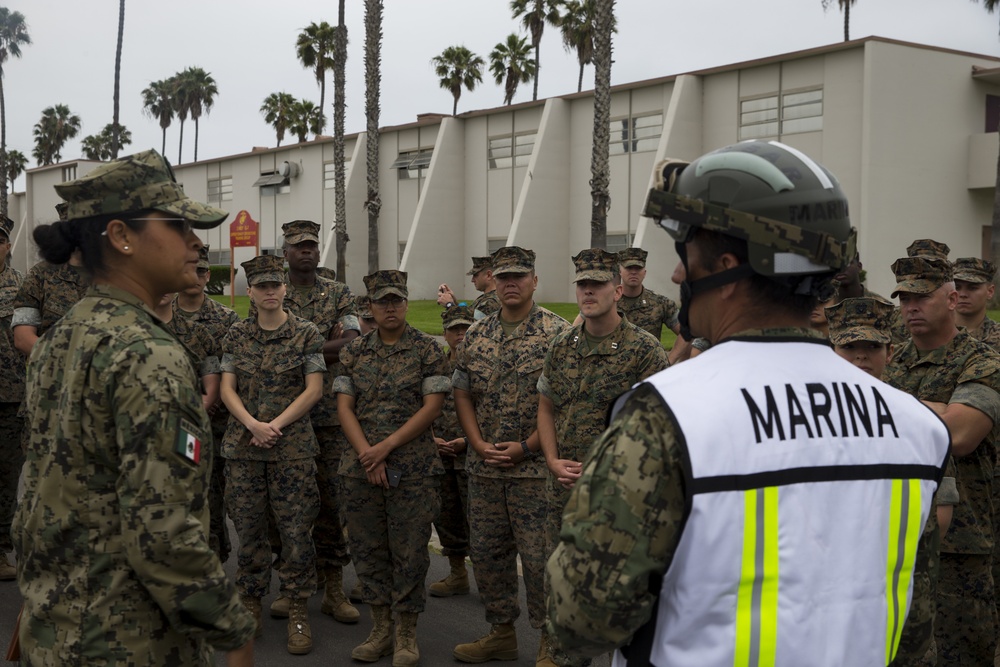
910	130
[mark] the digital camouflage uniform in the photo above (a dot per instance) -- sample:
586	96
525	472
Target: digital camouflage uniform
270	369
114	514
389	528
508	511
325	304
649	311
967	372
48	291
217	318
486	304
11	395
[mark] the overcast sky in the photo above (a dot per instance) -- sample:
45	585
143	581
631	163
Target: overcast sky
248	47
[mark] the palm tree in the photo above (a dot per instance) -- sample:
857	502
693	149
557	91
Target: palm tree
314	48
13	35
305	117
181	92
577	27
534	14
201	89
373	80
104	145
57	126
277	111
845	6
17	162
600	178
511	66
115	145
339	105
156	103
458	68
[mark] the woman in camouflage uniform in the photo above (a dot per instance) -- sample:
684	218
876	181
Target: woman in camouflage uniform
272	376
111	535
393	388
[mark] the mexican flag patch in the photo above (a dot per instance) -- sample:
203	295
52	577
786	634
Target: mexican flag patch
188	444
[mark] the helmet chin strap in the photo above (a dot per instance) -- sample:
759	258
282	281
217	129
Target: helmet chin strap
690	289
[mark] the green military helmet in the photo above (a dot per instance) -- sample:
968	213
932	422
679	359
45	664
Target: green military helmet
788	208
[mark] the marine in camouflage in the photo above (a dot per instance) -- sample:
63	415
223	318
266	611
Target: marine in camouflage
486	303
11	395
650	311
114	514
48	291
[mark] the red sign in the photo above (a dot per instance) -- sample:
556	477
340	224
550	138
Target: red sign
243	231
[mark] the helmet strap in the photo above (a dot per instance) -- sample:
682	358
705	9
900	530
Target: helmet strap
690	289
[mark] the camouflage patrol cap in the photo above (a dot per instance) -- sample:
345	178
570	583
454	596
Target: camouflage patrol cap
6	226
203	262
264	269
139	182
512	259
860	319
383	283
595	264
480	264
633	257
326	272
974	270
364	306
920	275
928	248
457	315
299	231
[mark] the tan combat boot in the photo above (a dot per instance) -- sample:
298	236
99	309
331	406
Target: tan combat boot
406	654
456	583
379	642
499	644
279	608
253	606
334	602
299	633
355	594
544	657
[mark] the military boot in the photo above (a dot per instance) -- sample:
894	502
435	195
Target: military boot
279	608
299	633
379	642
355	594
499	644
406	654
456	583
544	657
253	606
334	602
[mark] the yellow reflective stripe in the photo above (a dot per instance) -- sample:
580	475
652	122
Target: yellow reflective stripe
904	534
757	594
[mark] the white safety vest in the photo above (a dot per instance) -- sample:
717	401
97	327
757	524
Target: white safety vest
809	483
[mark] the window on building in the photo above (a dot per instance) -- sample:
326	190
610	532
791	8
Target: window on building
992	113
513	150
219	257
272	183
636	134
617	242
759	118
410	164
329	175
69	173
402	249
802	112
220	189
492	245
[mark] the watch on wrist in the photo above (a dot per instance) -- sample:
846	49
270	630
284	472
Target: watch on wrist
527	452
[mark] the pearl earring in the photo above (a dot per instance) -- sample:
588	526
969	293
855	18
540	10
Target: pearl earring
125	247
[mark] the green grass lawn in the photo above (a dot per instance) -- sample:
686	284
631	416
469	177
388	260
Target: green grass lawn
426	315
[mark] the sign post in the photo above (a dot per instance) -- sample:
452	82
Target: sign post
242	234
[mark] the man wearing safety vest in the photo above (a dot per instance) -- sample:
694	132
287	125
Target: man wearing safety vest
764	503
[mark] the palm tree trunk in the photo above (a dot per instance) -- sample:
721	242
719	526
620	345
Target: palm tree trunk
195	139
847	21
163	148
579	83
3	149
373	42
180	145
599	168
118	73
322	101
454	106
538	68
340	205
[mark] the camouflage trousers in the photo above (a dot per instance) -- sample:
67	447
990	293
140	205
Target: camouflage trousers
218	531
557	496
11	460
965	627
388	530
328	531
285	491
507	518
452	522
